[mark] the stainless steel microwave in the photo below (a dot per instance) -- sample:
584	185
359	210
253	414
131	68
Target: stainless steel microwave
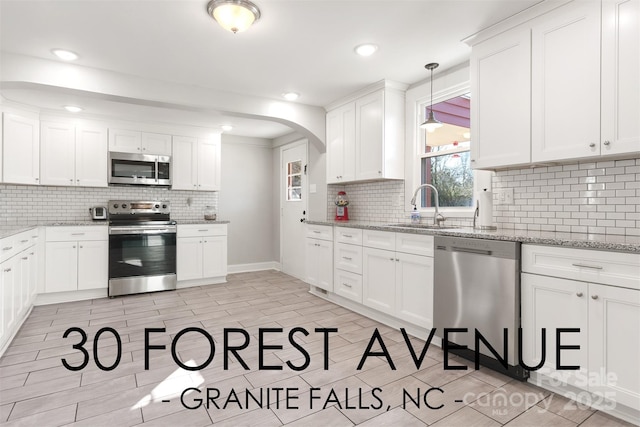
139	169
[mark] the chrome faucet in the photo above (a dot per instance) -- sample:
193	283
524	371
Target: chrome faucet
437	217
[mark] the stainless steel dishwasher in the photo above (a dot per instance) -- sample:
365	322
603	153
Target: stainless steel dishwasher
477	286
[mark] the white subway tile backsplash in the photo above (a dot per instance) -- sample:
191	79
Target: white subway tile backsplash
593	197
44	204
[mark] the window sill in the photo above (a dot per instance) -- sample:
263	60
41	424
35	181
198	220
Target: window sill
447	212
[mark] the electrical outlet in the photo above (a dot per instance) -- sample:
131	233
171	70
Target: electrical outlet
505	196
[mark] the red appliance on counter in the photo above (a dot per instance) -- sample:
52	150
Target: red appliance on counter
342	212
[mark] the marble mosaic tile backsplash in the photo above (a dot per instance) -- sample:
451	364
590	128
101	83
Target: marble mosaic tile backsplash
43	204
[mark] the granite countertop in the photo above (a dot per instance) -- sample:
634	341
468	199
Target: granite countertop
607	242
7	230
201	221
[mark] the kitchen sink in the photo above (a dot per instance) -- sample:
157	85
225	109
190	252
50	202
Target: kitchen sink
424	226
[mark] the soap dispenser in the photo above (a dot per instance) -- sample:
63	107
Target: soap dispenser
415	216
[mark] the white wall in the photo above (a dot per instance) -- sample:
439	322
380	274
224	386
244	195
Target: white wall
246	199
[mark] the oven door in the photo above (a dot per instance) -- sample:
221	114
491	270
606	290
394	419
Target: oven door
136	251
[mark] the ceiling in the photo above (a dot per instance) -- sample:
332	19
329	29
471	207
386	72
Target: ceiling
305	46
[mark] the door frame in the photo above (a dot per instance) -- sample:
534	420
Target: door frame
305	188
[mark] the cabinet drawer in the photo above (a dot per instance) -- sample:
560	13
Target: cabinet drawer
197	230
348	257
348	235
322	232
12	245
74	233
7	248
348	285
608	268
417	244
379	239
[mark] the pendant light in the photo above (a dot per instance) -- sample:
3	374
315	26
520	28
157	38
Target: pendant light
431	123
234	15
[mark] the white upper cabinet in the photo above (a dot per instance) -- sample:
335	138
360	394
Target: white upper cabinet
196	163
208	162
73	155
21	149
128	141
365	136
501	101
565	61
581	97
341	144
620	82
156	143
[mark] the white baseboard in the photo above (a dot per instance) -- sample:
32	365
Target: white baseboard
201	282
257	266
58	297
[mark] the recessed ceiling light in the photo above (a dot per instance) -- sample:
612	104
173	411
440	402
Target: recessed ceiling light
226	128
67	55
72	108
290	96
366	49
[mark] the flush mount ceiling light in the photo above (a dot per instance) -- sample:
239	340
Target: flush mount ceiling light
67	55
227	128
72	108
234	15
431	123
290	96
366	49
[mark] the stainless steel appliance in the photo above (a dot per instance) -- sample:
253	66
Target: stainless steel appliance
142	247
477	286
139	169
98	213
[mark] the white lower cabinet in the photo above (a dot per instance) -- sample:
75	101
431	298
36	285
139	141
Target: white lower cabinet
379	278
389	272
607	316
201	251
319	256
18	276
76	258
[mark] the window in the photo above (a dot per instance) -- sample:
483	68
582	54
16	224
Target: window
294	181
445	157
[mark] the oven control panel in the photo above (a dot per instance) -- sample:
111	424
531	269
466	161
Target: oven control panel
119	207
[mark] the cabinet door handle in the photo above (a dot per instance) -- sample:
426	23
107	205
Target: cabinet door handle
7	270
607	143
579	294
397	259
347	285
595	267
594	296
348	236
316	231
25	258
8	248
24	241
31	253
592	145
202	231
392	259
347	258
77	234
74	246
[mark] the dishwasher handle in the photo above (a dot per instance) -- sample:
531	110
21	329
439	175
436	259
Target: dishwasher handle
471	250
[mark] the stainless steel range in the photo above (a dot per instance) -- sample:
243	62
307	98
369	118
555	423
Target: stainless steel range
142	247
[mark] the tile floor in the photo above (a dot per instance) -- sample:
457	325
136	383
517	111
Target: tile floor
37	390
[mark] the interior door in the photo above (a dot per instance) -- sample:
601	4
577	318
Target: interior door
293	208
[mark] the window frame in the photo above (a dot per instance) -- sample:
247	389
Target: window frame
421	105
